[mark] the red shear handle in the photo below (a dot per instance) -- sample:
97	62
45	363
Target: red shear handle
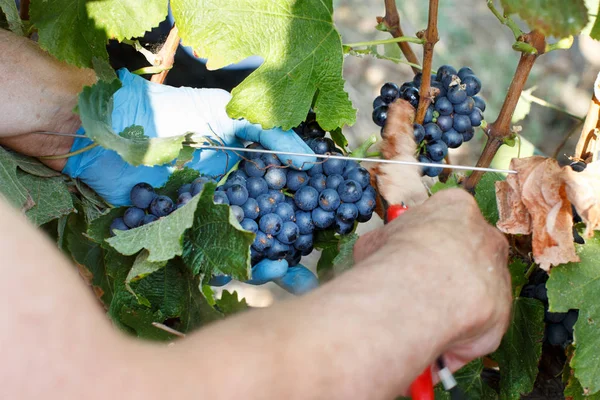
395	210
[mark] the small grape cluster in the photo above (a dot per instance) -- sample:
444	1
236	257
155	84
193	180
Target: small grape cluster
149	206
449	121
284	206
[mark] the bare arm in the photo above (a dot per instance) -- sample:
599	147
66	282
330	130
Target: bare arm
367	334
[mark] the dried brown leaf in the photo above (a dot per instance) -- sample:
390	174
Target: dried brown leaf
583	191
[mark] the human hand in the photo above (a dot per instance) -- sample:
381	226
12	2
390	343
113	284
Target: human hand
462	272
165	111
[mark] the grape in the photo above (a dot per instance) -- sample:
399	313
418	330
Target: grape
255	168
557	334
322	219
233	180
316	169
347	212
466	107
437	150
266	204
479	103
249	225
379	116
468	135
419	132
133	217
429	114
276	178
278	250
429	171
307	198
304	242
476	117
449	80
570	320
528	291
291	202
161	206
456	94
389	92
262	241
464	71
119	225
321	145
329	200
319	182
554	317
350	165
378	102
296	180
256	256
418	79
350	191
187	188
289	233
148	218
285	211
293	257
341	227
472	84
277	196
366	204
220	198
444	71
304	222
142	195
251	208
334	166
237	195
432	132
461	123
333	181
370	191
405	86
184	198
256	187
314	130
360	175
238	213
439	86
197	187
452	138
270	160
364	218
541	293
411	95
219	280
445	122
270	224
443	105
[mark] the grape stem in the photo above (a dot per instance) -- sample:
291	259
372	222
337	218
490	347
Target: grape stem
362	150
391	22
431	38
409	39
505	20
166	55
71	154
500	129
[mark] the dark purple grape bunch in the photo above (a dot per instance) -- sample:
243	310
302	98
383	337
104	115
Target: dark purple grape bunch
559	326
449	121
284	207
148	206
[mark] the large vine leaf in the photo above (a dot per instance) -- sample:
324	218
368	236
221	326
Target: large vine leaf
574	391
345	258
230	304
140	269
11	187
9	8
302	54
95	109
558	18
51	196
485	195
33	166
576	286
216	243
470	382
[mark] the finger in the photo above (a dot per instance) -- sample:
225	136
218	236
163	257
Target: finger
368	244
298	280
219	280
279	140
215	163
268	270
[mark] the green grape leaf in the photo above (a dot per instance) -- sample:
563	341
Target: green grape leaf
176	180
216	243
576	286
11	187
557	18
574	391
303	57
51	196
229	303
485	195
521	349
451	183
595	32
344	260
140	269
95	109
104	71
328	243
470	382
88	194
339	139
9	8
517	270
98	229
33	166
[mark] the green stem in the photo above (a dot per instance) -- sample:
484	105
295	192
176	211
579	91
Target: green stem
409	39
504	20
74	153
530	270
361	151
150	56
524	48
374	154
562	44
150	70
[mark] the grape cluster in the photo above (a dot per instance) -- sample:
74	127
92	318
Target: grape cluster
450	119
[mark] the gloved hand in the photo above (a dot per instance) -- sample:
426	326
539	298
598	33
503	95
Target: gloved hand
165	111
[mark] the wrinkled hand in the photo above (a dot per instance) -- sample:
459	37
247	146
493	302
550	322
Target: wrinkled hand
165	111
461	261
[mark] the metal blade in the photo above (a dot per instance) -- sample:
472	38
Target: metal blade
323	156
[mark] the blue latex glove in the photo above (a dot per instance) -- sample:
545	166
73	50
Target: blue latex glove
165	111
263	272
298	280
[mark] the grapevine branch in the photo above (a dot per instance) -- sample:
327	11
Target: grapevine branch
391	21
24	11
499	130
592	122
431	38
167	55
